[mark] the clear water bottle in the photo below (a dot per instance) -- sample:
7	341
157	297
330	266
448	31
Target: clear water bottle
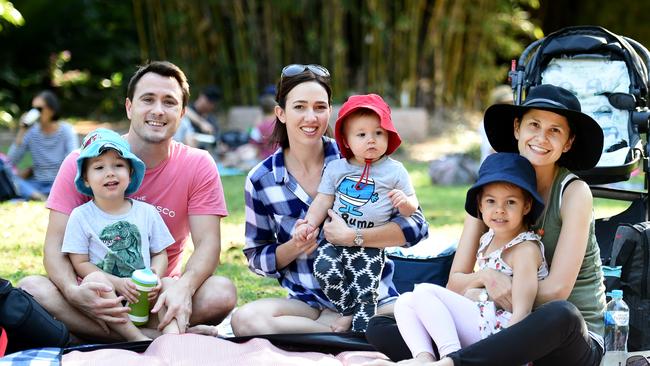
617	320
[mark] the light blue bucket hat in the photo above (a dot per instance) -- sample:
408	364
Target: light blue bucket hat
100	140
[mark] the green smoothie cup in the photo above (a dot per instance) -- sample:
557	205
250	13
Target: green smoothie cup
145	280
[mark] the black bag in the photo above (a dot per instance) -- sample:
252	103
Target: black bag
630	251
27	323
411	271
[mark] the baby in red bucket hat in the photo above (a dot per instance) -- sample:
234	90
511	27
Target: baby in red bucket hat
365	188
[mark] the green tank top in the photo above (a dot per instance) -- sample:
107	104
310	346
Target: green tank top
588	293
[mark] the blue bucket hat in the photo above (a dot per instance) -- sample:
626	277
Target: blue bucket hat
506	167
100	140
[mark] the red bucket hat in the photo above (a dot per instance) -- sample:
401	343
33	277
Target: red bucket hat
376	104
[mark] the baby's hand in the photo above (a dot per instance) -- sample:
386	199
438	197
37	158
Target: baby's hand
397	198
153	294
126	287
303	229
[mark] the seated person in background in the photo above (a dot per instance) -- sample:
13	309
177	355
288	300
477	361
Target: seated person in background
200	120
111	236
260	135
49	141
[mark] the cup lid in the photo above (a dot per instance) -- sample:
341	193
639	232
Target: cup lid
145	276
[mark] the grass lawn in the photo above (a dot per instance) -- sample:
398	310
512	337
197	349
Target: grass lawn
23	224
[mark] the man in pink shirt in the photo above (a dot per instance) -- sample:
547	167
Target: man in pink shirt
182	183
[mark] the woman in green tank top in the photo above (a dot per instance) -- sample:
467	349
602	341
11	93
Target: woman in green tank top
566	327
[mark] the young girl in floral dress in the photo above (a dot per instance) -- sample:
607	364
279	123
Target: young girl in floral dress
505	197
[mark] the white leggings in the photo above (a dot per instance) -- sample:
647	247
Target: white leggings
432	312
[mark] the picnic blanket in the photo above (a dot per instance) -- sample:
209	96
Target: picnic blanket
193	349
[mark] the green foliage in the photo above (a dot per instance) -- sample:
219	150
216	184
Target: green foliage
9	14
234	193
72	47
414	52
249	285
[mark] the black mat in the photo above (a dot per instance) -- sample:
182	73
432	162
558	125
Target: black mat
332	343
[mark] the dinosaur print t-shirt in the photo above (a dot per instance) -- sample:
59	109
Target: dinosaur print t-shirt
361	202
117	244
185	184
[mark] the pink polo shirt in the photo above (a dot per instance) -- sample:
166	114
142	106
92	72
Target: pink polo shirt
185	184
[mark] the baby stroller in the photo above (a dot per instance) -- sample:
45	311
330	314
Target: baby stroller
609	75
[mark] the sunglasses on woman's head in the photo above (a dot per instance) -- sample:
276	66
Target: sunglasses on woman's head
637	360
295	69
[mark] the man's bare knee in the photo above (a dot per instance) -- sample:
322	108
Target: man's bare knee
41	288
214	301
97	276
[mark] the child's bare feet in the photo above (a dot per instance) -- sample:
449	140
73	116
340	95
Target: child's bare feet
342	324
208	330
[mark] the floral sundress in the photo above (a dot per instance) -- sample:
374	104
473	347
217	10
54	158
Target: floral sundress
492	318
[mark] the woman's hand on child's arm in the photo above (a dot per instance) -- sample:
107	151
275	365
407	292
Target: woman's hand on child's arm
498	286
406	205
525	260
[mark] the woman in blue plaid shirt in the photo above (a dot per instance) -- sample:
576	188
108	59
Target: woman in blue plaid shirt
278	193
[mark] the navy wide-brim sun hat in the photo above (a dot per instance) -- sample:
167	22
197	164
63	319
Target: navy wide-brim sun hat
510	168
587	144
100	140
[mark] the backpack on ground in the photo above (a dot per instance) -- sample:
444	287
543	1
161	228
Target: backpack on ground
27	323
631	252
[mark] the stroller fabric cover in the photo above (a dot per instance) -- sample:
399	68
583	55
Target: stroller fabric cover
608	73
592	80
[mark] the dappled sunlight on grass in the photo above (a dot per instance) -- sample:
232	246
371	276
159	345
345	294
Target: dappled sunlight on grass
22	230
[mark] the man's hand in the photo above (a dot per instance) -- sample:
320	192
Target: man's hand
177	301
86	298
499	287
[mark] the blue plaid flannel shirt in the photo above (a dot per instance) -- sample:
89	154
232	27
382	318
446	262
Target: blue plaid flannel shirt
274	201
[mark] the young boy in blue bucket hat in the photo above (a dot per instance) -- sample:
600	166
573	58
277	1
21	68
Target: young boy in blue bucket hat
505	198
111	236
